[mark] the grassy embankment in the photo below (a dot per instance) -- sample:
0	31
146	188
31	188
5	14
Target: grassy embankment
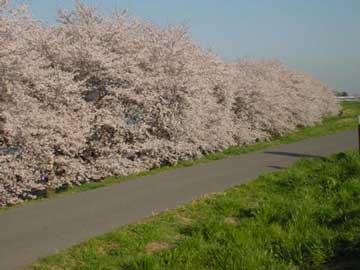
306	217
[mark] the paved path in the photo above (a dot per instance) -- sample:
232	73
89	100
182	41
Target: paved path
44	228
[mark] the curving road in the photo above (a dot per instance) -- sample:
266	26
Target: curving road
40	229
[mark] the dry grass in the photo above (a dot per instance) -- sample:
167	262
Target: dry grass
157	246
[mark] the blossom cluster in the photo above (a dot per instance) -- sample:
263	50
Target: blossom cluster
99	95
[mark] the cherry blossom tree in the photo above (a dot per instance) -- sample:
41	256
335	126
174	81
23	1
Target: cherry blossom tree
102	95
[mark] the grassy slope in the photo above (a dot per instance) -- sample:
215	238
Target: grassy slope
306	217
328	126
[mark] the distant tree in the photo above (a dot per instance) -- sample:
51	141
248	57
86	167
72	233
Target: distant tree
342	94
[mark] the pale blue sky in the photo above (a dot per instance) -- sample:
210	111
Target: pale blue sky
321	37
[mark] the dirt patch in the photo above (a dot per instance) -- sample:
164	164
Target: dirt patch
186	220
157	246
104	249
232	221
206	196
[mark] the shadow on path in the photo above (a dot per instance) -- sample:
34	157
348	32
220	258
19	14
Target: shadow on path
277	167
289	154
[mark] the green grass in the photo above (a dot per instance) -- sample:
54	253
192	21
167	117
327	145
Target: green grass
330	125
305	217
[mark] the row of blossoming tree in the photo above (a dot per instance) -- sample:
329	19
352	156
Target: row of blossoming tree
98	95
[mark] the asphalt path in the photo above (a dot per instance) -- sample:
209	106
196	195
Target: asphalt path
43	228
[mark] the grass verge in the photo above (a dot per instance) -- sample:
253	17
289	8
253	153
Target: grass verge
306	217
330	125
